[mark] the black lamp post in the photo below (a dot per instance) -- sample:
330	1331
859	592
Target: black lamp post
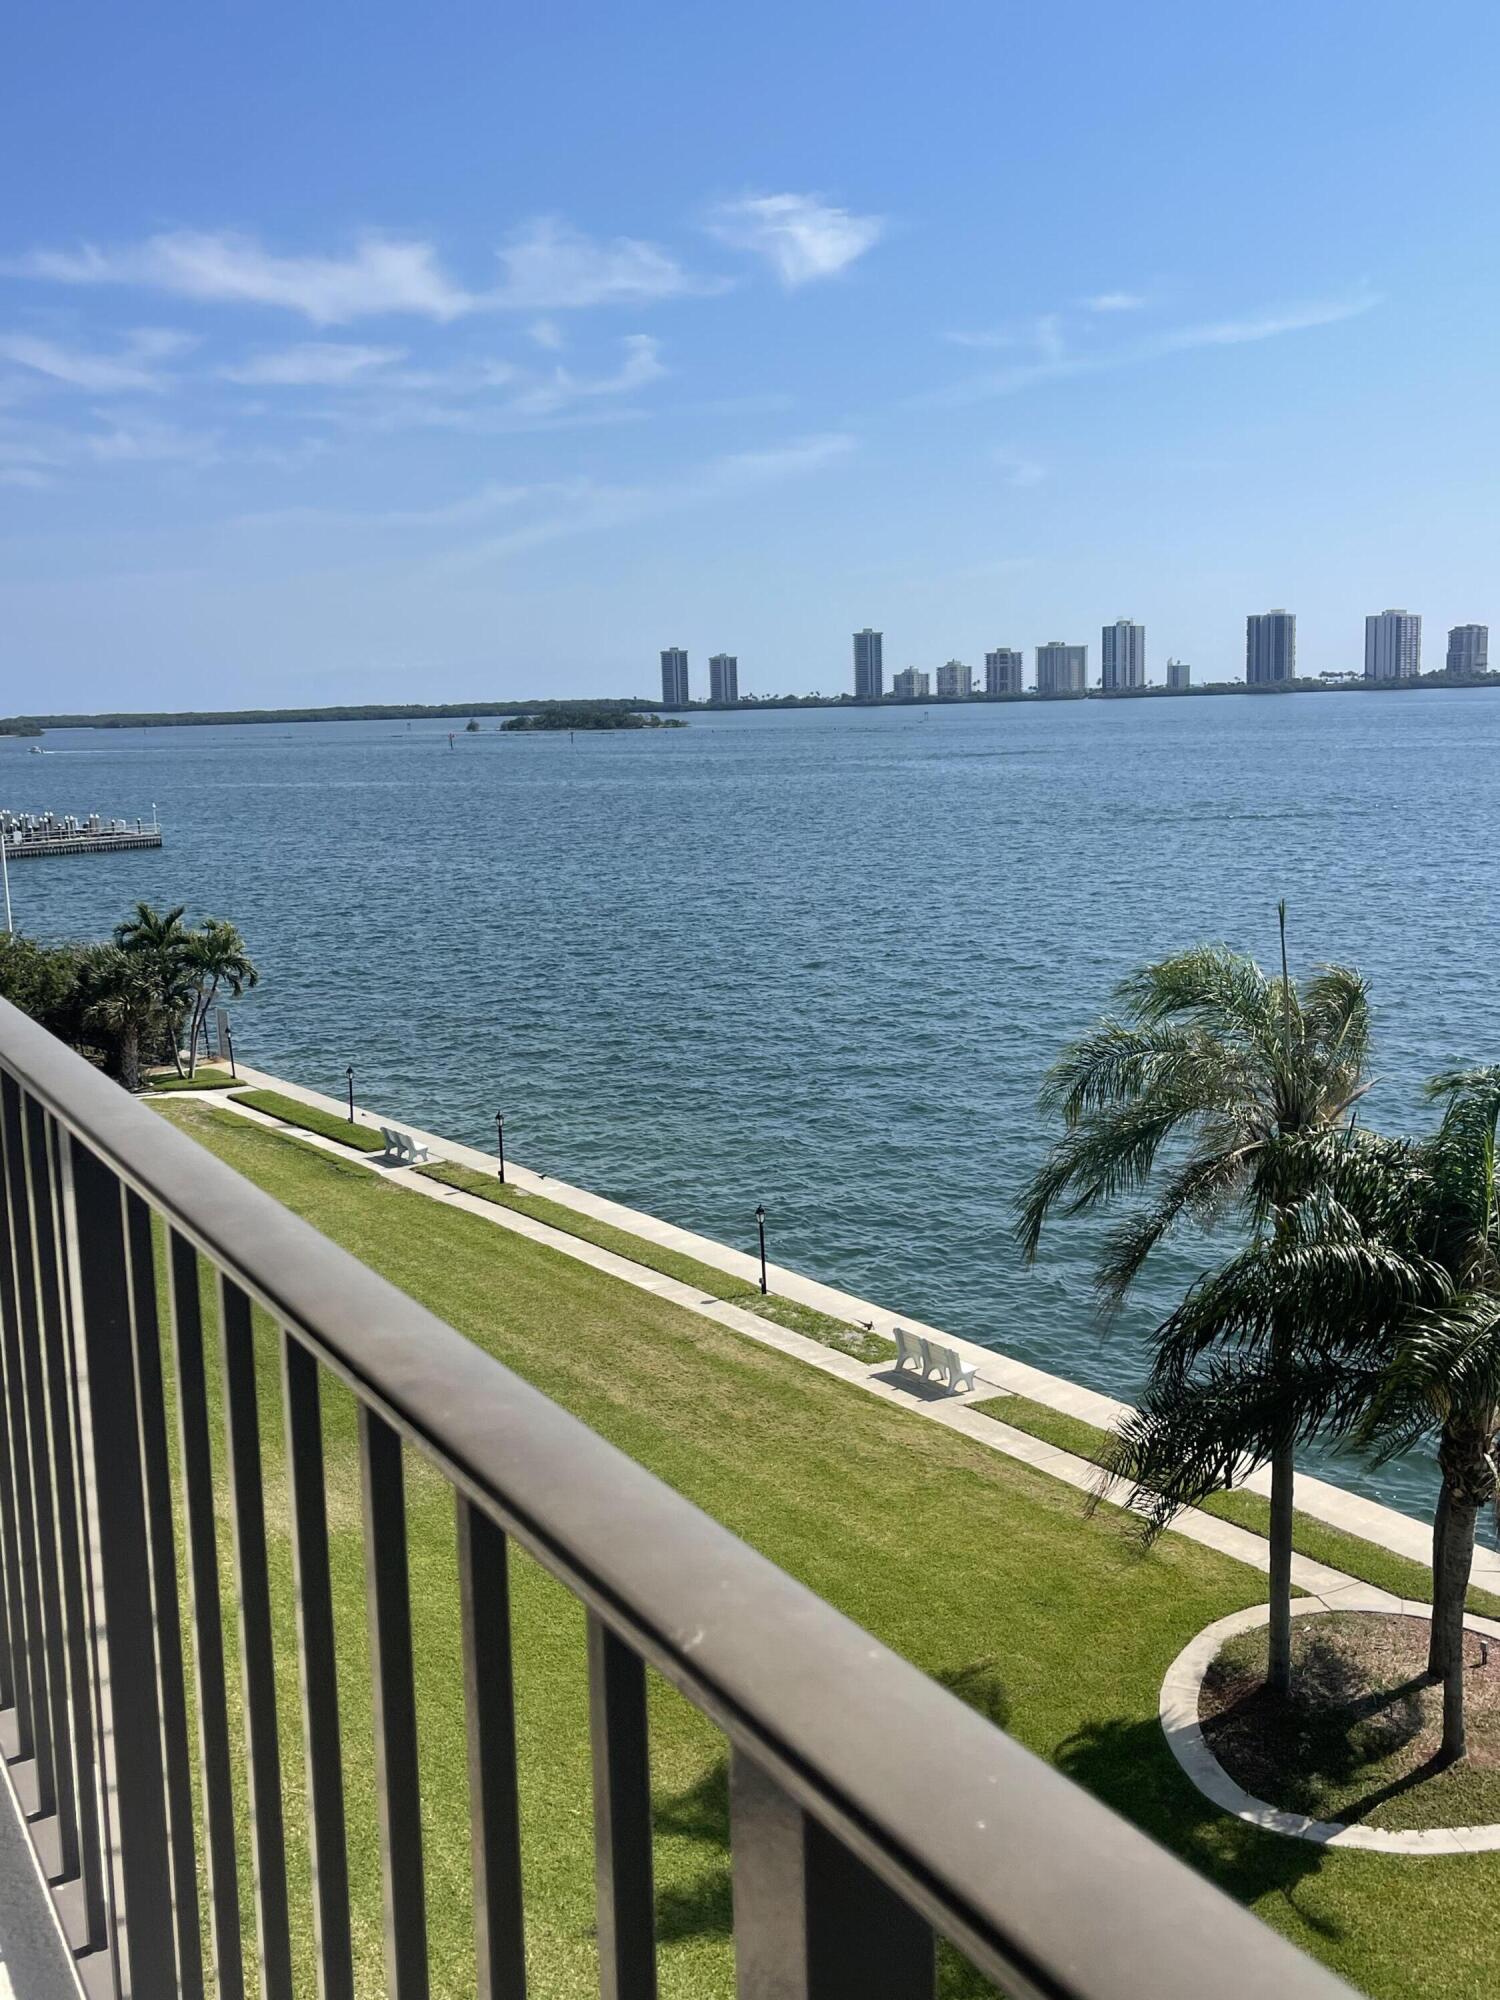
500	1142
760	1223
229	1044
349	1073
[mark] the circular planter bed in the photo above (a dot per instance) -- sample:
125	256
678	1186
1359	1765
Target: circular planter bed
1349	1759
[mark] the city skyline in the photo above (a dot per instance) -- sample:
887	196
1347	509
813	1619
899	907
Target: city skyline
1392	651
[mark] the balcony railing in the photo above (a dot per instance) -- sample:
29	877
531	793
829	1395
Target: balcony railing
869	1809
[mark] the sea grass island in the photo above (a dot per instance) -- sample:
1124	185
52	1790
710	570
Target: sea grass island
589	718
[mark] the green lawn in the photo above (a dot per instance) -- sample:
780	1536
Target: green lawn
328	1124
706	1278
977	1568
208	1077
1310	1537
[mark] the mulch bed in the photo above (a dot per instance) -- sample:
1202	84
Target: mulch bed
1358	1735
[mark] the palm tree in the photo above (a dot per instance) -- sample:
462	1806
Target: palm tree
214	956
1441	1375
158	939
120	998
1220	1066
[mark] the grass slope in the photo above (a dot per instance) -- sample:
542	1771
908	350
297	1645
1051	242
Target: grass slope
977	1568
208	1077
308	1118
1310	1537
706	1278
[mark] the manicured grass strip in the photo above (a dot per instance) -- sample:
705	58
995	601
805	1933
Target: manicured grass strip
206	1079
328	1124
557	1215
1074	1434
706	1278
1310	1537
978	1569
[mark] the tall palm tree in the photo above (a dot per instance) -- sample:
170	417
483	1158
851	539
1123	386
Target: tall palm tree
1441	1376
1218	1066
215	957
158	940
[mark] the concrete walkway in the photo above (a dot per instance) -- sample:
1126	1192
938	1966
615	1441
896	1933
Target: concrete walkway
995	1372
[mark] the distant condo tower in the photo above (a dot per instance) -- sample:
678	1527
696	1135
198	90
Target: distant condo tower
1179	674
911	684
724	677
1469	649
1004	670
1062	669
1393	646
674	680
869	665
1270	648
1124	657
954	678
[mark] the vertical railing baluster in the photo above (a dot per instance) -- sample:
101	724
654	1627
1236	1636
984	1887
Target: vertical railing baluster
18	1530
397	1776
58	1321
32	1192
622	1817
810	1920
494	1805
161	1540
257	1640
317	1669
129	1715
50	1706
210	1688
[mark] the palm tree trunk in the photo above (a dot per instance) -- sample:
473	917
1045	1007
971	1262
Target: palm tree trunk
1436	1663
1279	1660
1448	1621
130	1055
1468	1484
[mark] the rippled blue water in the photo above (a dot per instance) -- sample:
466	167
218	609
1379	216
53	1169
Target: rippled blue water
816	959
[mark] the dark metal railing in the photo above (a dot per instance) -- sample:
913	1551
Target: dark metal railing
869	1809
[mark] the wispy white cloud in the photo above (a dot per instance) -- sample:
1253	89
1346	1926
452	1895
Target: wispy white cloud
321	364
548	266
545	266
587	507
641	365
1042	334
133	441
1114	302
546	333
1268	325
380	274
137	366
1057	362
801	236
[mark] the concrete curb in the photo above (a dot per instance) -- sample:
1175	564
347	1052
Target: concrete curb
1180	1693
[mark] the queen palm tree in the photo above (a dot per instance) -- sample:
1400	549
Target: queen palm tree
214	957
1190	1098
158	940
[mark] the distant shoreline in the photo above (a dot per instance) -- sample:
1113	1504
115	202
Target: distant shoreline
454	711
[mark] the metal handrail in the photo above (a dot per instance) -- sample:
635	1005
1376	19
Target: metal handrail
1041	1886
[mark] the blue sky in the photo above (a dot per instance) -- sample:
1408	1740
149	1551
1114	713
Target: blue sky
381	354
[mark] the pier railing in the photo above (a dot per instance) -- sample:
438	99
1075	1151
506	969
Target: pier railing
870	1811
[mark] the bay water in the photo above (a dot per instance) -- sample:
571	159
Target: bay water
818	959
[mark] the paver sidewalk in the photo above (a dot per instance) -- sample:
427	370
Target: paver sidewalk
993	1371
